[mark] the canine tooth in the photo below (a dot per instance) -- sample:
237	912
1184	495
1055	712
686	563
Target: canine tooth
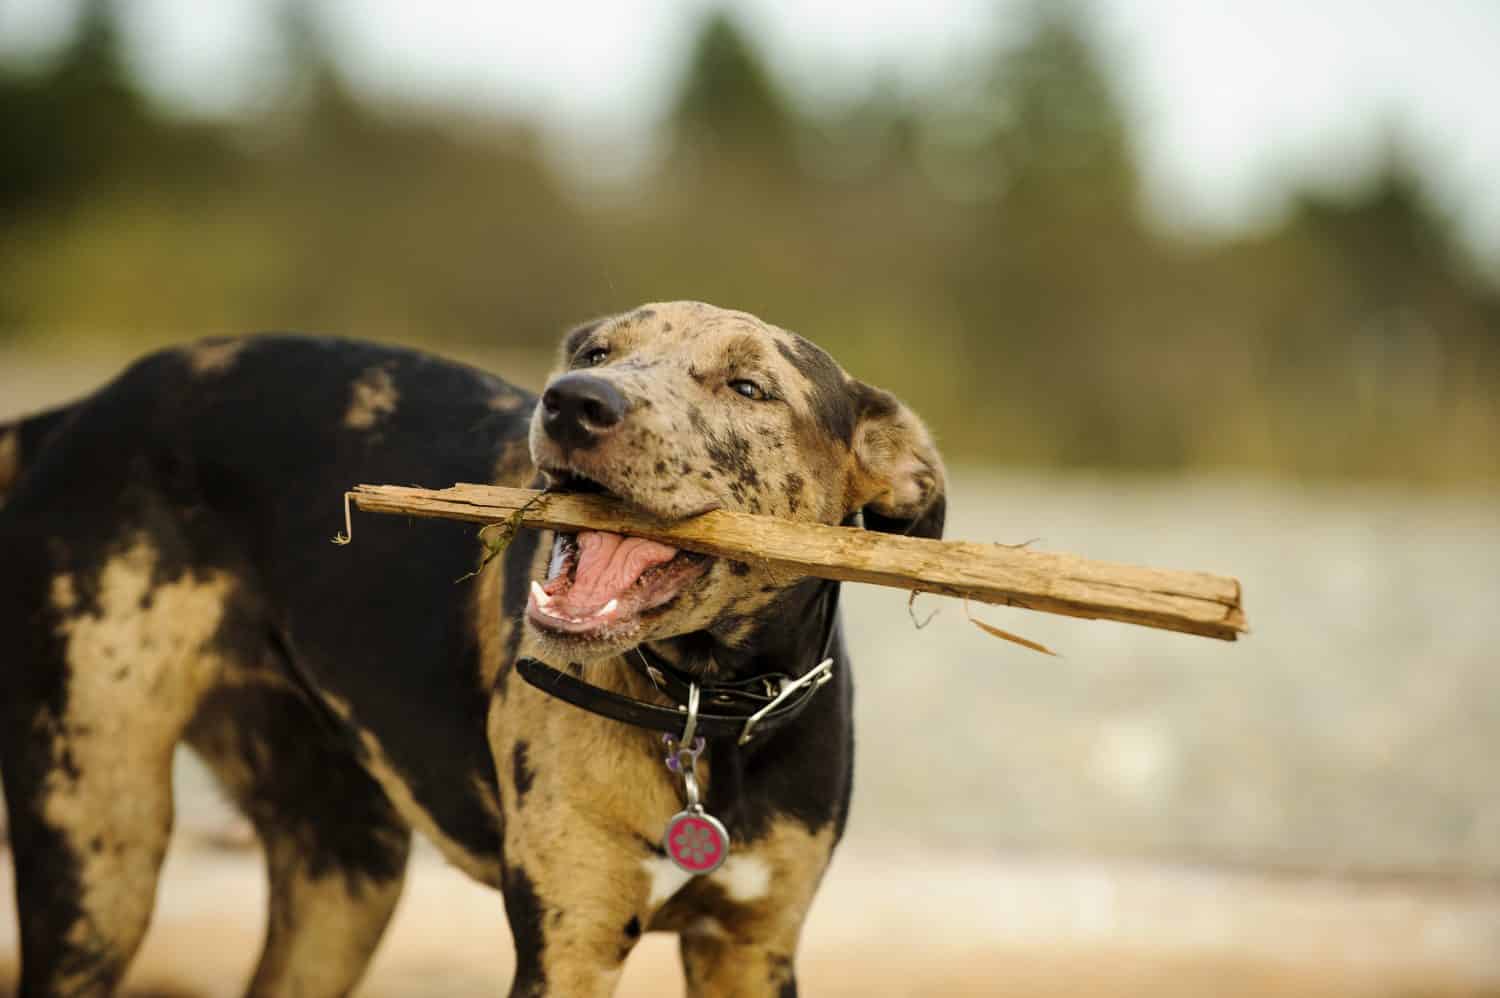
609	607
539	594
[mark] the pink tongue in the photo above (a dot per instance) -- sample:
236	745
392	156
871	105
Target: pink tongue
609	564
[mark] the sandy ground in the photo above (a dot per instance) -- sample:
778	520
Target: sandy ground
904	922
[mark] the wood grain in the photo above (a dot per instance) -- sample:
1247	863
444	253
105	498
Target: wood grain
1184	601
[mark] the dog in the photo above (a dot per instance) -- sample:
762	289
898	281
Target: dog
167	577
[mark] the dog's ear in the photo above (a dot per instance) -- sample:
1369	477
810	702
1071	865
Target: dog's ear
574	339
899	479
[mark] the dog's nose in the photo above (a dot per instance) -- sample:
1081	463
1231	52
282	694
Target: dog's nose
578	409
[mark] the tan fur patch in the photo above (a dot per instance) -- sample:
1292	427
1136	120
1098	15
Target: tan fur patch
10	460
507	402
372	397
493	629
899	470
513	466
214	356
137	667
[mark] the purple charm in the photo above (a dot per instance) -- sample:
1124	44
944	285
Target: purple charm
674	754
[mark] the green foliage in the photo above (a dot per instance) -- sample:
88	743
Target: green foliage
69	128
981	250
1061	124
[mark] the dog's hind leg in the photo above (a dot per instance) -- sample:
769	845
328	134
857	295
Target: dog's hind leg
335	849
108	660
88	844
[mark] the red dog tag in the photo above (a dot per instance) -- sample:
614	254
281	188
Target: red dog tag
695	841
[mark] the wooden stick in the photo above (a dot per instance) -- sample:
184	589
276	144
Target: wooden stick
1189	602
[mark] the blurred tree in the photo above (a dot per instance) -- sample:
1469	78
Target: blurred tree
1376	311
727	103
1058	272
1061	123
874	135
1391	240
316	101
68	128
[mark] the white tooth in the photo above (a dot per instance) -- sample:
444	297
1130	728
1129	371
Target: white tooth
609	607
539	594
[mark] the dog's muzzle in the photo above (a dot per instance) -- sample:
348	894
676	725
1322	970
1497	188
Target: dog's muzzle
579	409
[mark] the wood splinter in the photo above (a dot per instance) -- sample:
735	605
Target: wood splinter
1187	602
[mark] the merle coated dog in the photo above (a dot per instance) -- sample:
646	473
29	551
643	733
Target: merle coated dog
167	577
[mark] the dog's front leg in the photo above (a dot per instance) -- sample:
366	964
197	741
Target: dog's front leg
576	894
585	799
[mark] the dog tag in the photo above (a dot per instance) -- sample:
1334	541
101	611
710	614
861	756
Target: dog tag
695	840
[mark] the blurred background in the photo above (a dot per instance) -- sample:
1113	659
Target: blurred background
1210	285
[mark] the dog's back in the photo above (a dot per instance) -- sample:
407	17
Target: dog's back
168	576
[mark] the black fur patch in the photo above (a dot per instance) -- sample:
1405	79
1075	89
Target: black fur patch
929	524
576	337
754	785
782	970
524	911
793	486
875	403
521	772
828	391
730	454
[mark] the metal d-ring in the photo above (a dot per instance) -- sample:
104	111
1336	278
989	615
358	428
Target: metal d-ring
817	675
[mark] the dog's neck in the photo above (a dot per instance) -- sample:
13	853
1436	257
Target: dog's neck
790	639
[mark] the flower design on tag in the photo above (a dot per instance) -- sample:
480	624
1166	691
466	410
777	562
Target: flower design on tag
696	844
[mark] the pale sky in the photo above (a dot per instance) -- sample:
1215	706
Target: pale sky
1233	98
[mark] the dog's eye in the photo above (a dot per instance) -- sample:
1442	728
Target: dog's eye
749	389
593	357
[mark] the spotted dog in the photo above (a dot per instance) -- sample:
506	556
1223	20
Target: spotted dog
167	577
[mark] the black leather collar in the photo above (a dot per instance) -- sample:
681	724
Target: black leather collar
725	707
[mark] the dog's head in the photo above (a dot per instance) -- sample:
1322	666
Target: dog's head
680	408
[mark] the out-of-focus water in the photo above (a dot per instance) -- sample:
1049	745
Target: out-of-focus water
1357	726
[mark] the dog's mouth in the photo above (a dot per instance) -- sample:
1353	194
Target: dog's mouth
606	585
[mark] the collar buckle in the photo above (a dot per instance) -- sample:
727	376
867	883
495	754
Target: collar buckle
817	676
